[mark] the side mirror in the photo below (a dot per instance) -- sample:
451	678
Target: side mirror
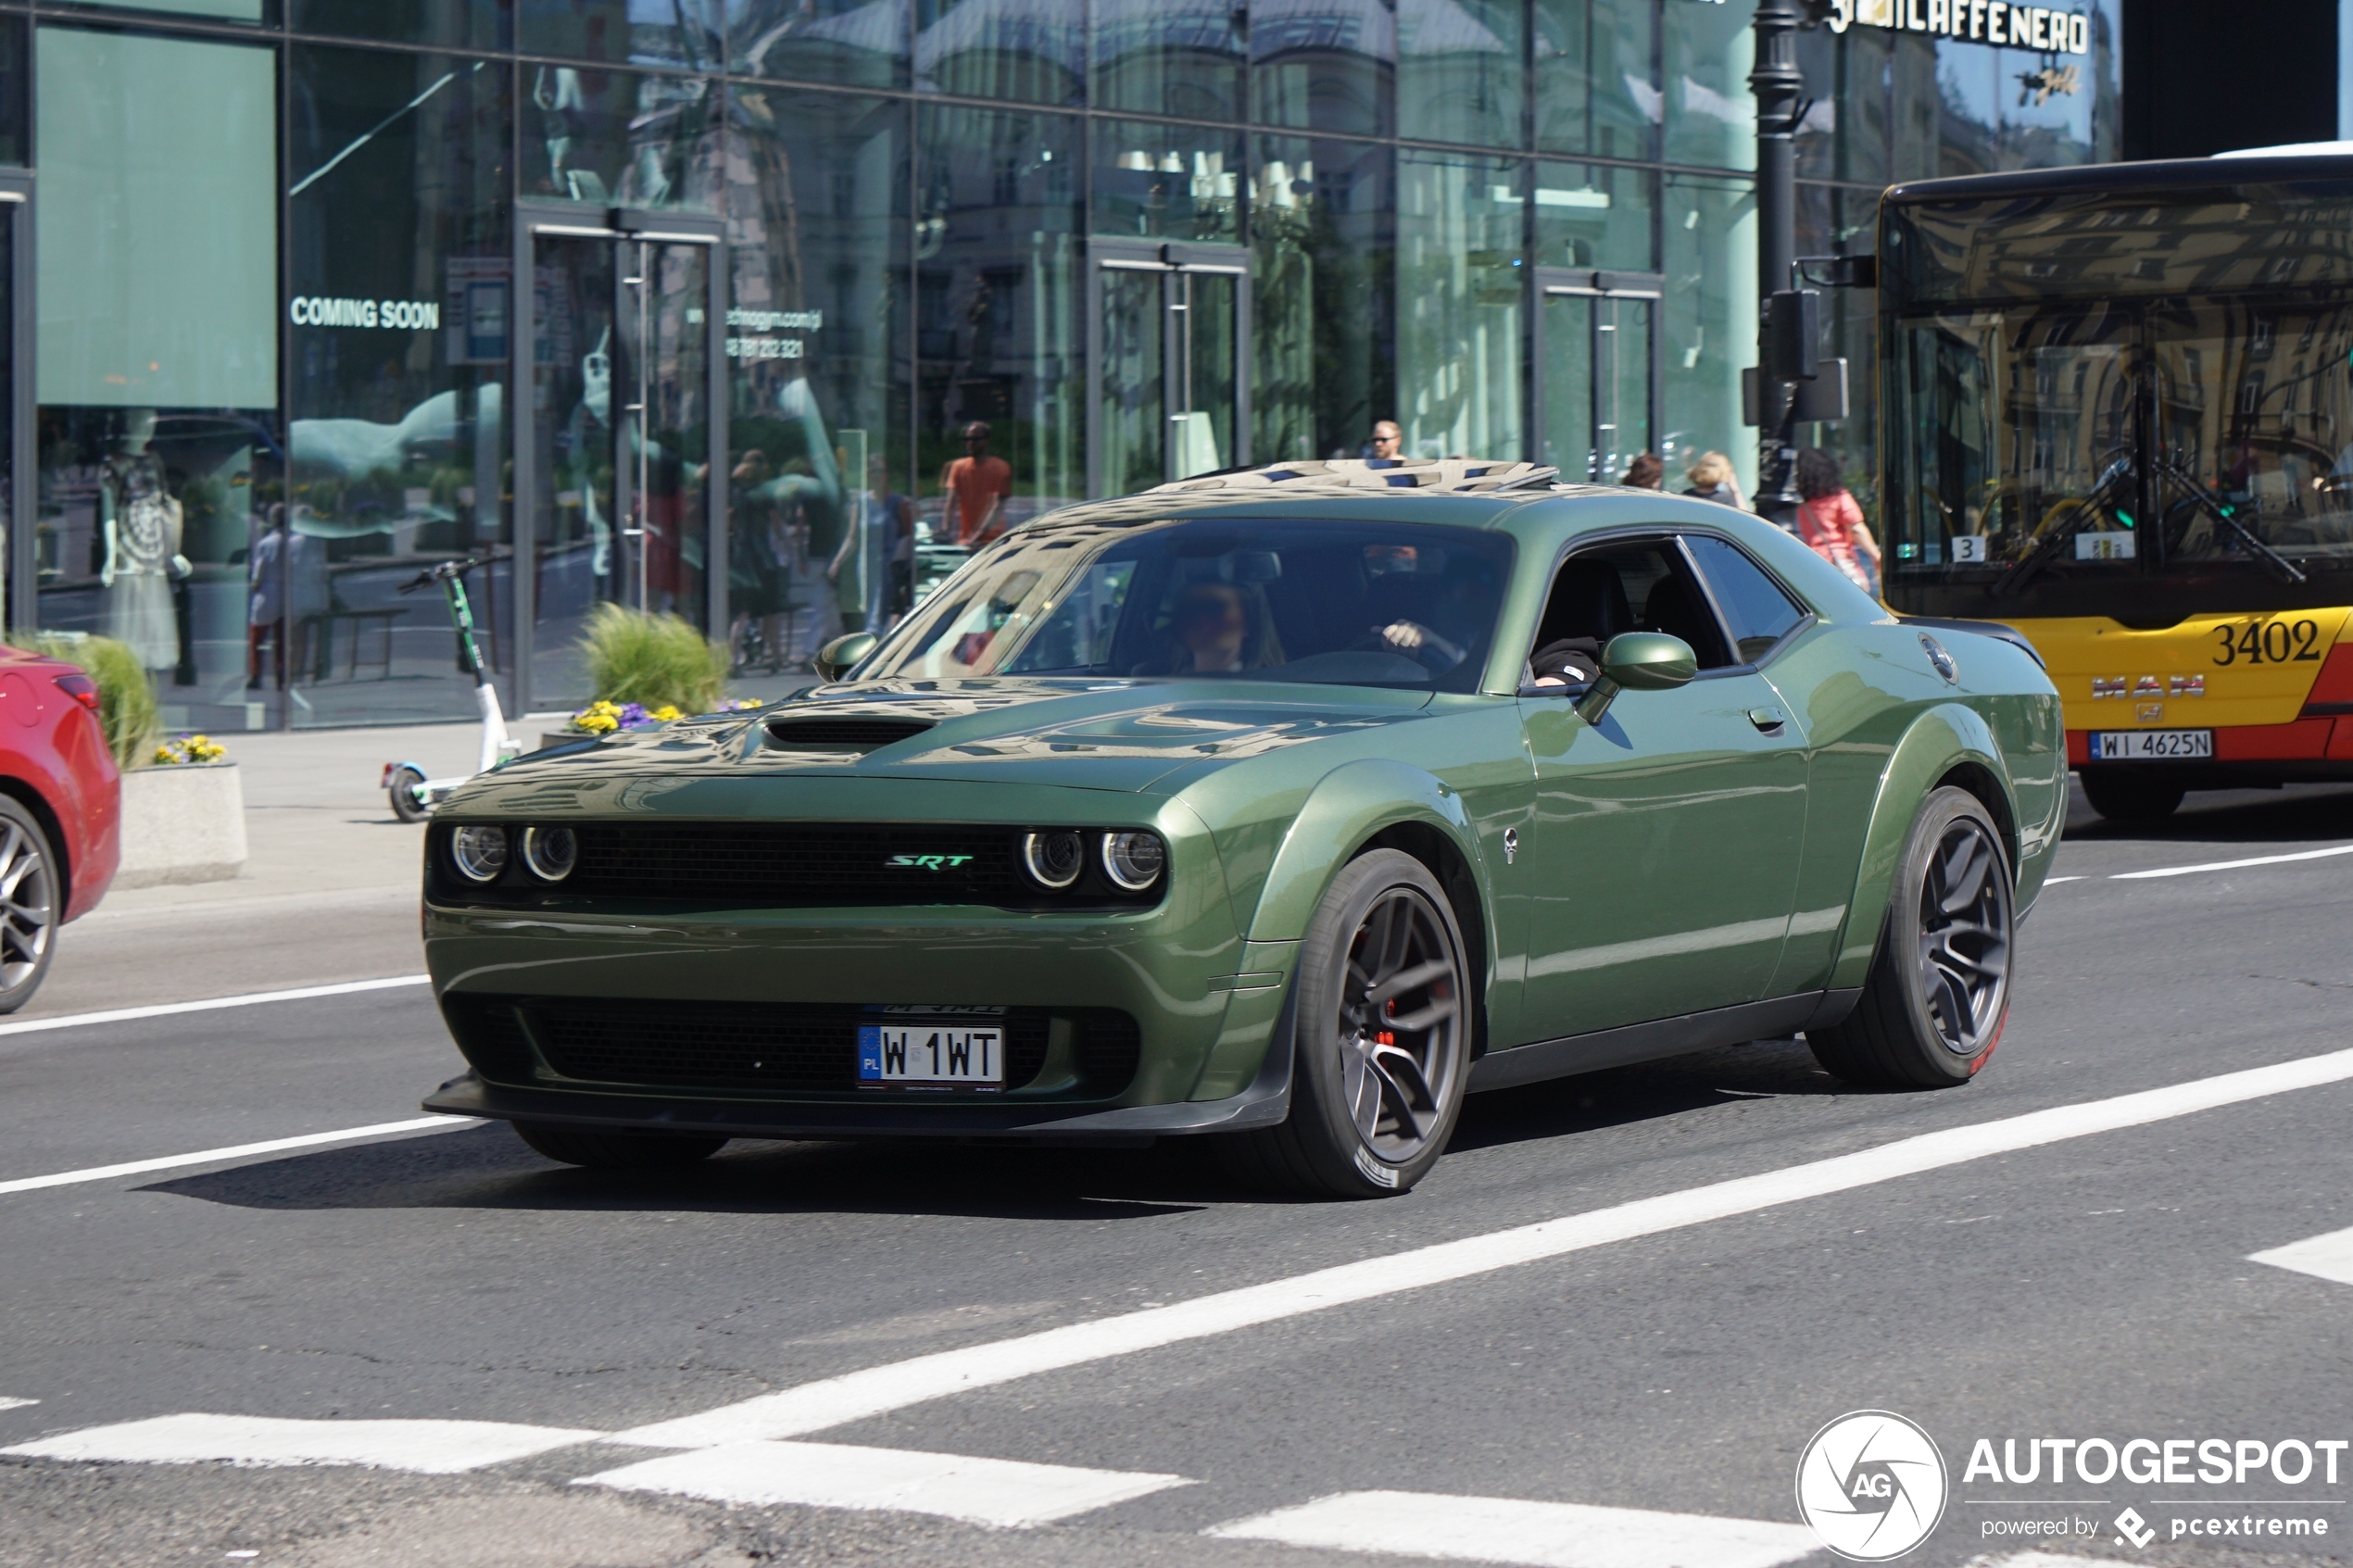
838	656
1638	661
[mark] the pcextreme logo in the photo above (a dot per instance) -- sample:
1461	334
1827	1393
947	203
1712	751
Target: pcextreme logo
1872	1485
929	862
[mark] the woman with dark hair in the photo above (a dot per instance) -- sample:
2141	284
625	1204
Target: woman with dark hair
1645	472
1832	523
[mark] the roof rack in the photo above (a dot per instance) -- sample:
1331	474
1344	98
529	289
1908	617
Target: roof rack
1438	475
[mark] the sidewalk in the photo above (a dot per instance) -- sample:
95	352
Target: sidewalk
329	893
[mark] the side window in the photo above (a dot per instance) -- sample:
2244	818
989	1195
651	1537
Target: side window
1643	587
1760	613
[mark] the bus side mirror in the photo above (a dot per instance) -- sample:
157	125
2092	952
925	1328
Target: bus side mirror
837	658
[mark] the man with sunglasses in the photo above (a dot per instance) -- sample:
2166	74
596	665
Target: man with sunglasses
978	486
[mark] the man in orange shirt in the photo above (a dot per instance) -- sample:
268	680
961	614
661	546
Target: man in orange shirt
978	486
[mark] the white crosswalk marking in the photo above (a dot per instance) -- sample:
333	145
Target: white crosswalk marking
2328	1256
10	1404
2046	1560
1544	1535
983	1491
431	1448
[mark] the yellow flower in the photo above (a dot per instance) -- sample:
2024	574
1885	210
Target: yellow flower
666	712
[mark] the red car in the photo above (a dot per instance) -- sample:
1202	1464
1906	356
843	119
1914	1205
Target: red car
60	813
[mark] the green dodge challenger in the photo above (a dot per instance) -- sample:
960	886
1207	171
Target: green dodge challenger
1283	808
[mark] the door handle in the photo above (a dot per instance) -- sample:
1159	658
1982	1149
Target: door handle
1769	719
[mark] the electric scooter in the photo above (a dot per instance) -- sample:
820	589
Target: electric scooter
413	795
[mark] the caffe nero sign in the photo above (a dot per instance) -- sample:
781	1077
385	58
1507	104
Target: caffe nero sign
1977	21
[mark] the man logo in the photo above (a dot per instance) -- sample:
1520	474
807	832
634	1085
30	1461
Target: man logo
929	862
1872	1485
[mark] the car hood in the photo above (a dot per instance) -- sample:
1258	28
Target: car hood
1112	735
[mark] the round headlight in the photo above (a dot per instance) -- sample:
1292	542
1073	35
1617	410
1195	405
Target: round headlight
1052	859
479	851
550	853
1132	860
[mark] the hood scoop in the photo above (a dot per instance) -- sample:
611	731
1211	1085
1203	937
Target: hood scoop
846	733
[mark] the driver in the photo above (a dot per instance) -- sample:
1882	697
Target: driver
1459	619
1221	629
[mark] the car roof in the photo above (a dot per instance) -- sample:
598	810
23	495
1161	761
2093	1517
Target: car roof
1531	508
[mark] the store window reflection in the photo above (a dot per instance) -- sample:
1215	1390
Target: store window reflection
1322	256
1155	181
1708	335
400	296
683	35
996	293
156	381
616	138
455	24
1710	114
1460	72
1595	80
1030	51
817	223
1848	77
1325	64
1169	57
845	42
1461	301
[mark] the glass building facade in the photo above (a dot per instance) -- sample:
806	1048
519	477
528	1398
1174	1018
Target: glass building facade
648	300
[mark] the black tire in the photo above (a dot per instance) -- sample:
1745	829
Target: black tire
1939	989
617	1150
1370	1115
29	905
402	789
2130	798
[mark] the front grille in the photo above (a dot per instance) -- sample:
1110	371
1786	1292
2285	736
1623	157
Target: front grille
799	863
779	1049
851	735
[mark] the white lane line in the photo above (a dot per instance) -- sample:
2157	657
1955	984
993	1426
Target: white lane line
237	1151
1545	1535
2330	1257
9	1404
2233	865
431	1448
2049	1559
833	1401
173	1010
2055	881
984	1491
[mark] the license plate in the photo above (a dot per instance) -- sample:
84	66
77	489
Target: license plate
2150	746
931	1053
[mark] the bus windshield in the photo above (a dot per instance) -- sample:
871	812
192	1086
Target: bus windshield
2138	453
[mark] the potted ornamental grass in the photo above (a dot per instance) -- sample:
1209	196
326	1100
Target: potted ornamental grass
646	670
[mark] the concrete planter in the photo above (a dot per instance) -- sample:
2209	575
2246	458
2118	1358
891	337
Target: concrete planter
185	822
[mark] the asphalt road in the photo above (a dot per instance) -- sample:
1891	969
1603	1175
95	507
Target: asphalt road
2091	1281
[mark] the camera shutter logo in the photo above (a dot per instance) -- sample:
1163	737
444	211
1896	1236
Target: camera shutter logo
1872	1485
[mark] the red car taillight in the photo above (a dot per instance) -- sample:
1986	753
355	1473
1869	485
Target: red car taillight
80	687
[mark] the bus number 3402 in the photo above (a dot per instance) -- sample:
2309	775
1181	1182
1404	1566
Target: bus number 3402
2268	641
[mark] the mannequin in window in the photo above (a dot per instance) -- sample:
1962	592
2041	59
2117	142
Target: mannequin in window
142	523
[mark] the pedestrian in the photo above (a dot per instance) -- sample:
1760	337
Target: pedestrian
266	600
880	548
977	486
1645	472
1831	522
1710	478
1387	441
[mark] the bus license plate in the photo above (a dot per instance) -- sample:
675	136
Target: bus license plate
944	1054
2151	746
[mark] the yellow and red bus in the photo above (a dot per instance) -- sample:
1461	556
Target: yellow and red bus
2117	415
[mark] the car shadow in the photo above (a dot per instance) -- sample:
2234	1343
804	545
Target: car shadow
487	1167
2295	814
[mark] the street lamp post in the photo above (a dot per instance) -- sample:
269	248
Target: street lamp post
1780	88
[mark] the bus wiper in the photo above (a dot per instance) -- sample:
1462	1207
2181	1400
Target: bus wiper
2223	512
2047	549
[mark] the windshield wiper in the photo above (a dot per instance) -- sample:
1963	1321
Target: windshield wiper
2224	513
2046	548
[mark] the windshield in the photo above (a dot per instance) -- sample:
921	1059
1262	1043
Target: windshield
1328	603
2141	461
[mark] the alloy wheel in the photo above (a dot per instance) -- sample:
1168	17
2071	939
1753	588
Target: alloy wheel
26	906
1400	1025
1965	938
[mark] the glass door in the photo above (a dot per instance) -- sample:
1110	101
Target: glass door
620	440
1170	390
1594	376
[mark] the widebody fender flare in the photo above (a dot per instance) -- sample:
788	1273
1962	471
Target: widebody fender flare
1947	736
1349	805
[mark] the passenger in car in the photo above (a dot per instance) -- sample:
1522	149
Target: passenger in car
1220	629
